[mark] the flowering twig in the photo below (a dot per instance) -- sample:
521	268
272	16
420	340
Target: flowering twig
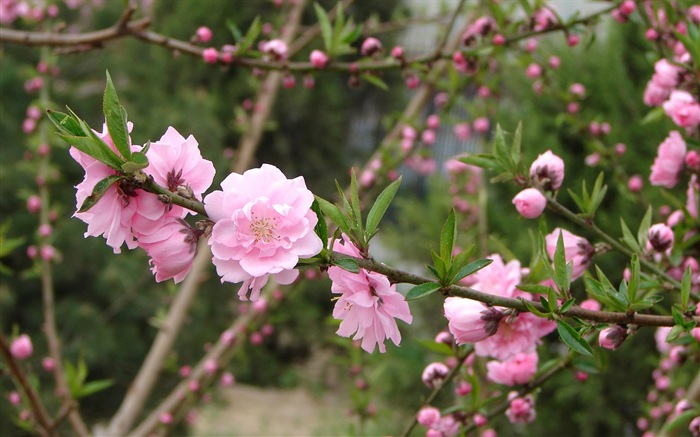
400	276
46	427
431	397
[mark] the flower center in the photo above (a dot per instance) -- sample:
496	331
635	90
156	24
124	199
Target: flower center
264	229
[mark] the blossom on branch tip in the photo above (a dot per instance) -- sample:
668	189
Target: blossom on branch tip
263	225
612	337
548	170
530	203
434	374
368	305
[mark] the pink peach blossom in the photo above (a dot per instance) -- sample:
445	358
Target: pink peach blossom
172	248
548	170
683	109
577	250
368	303
660	237
263	225
669	161
275	47
318	59
516	370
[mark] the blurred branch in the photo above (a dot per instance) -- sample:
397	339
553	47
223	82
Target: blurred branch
46	427
47	286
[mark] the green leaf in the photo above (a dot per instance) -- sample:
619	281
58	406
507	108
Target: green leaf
321	229
485	161
99	191
348	264
115	117
433	346
326	30
235	31
334	213
471	268
65	123
597	195
250	36
628	238
93	387
516	145
680	421
461	260
675	332
380	207
685	288
376	81
138	161
352	36
96	149
531	308
534	288
566	305
573	339
422	290
643	231
447	236
562	277
500	151
633	285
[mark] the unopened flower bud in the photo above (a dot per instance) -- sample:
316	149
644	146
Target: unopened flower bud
370	46
530	203
428	416
227	379
14	398
318	59
48	364
573	40
34	204
660	237
612	337
204	34
210	55
434	374
21	347
548	170
397	53
635	183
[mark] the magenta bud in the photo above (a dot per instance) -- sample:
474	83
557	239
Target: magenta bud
612	337
370	46
660	237
318	59
21	347
210	55
204	34
397	53
34	204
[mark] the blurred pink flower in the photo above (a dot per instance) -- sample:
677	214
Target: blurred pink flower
516	370
21	347
521	409
683	109
263	225
368	304
669	161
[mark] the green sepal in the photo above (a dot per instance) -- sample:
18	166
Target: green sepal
422	290
573	339
115	117
99	191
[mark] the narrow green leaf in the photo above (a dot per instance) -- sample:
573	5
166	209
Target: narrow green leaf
235	31
531	308
679	422
461	260
561	275
376	81
433	271
433	346
380	206
685	288
485	161
500	151
96	149
65	123
471	268
675	332
628	238
250	36
534	288
347	264
573	339
138	161
552	299
115	117
633	285
99	191
579	201
326	30
652	116
339	23
335	214
447	236
422	290
351	36
516	144
644	228
321	228
566	305
93	387
597	195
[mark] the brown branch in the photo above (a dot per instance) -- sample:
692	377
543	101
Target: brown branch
18	374
629	318
95	38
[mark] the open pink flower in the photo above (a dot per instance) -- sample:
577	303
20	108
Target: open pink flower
263	225
683	109
669	161
519	335
577	250
121	208
368	305
517	370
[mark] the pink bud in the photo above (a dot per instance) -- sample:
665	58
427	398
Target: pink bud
620	149
309	82
45	230
605	128
47	252
554	62
14	398
533	71
428	416
434	374
48	364
185	371
318	59
21	347
34	204
211	366
370	46
412	81
32	251
204	34
260	306
433	121
33	112
694	426
480	420
692	160
481	125
635	183
462	131
256	338
577	89
531	45
612	337
483	91
288	81
651	34
530	203
662	383
428	137
166	418
43	149
660	237
397	53
275	47
28	125
210	55
267	330
441	99
498	39
228	337
463	388
572	107
193	386
548	170
227	379
573	40
592	160
408	133
581	376
627	7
